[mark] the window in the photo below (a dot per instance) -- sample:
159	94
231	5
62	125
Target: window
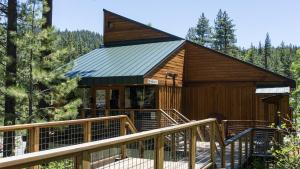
139	97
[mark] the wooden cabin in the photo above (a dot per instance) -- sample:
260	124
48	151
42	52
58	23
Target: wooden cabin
140	67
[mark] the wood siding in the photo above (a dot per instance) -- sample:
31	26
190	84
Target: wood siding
174	65
202	64
122	30
231	101
169	97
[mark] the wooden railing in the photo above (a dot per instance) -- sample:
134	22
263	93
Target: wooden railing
234	127
158	154
43	136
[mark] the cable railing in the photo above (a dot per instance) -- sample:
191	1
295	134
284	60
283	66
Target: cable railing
162	148
26	138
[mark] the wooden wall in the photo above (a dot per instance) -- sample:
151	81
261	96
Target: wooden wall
217	85
175	65
123	29
169	97
202	65
232	101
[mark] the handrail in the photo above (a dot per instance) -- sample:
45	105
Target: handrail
57	123
168	116
94	146
237	137
181	115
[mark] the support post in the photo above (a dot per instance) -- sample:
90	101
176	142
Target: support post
159	152
212	133
232	155
34	142
158	118
123	133
240	153
86	160
173	145
132	116
192	148
223	156
251	142
34	139
246	147
87	131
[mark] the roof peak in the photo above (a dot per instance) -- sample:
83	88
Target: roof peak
119	29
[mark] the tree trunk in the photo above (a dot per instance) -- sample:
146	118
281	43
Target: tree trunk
10	79
47	14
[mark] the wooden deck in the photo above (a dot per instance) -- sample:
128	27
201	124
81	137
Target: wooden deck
202	159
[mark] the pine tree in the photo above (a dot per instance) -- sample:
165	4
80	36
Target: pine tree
224	37
200	34
285	60
295	69
250	54
203	31
10	77
267	51
192	35
36	68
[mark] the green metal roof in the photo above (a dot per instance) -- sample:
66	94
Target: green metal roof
122	64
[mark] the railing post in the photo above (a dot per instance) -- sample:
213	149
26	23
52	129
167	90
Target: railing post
132	116
158	119
223	156
34	139
106	114
159	152
246	147
87	131
212	133
240	153
86	160
192	148
123	133
34	142
232	155
251	142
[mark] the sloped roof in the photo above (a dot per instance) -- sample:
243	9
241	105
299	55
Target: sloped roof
122	64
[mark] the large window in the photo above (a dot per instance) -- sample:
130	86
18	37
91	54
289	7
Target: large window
140	97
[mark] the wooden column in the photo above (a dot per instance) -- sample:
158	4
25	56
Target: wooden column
93	94
86	160
159	152
193	148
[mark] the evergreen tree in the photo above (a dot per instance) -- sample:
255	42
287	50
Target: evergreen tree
285	60
267	51
250	54
200	34
10	77
295	69
203	31
192	35
78	42
224	37
36	68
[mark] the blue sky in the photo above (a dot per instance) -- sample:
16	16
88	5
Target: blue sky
253	18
